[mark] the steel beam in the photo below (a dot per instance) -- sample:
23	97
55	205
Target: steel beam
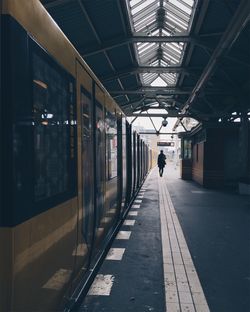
162	39
152	92
55	3
163	91
169	115
200	10
82	7
182	115
158	133
232	32
238	22
150	69
135	39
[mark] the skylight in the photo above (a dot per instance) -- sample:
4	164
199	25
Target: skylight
161	18
158	82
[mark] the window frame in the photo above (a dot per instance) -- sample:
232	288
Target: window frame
55	200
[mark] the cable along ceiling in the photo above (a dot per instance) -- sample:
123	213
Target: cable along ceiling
160	18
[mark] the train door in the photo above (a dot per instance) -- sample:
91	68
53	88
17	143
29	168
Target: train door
100	169
85	168
135	162
138	147
120	164
129	162
124	163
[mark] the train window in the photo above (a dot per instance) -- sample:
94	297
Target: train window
187	149
87	162
54	124
111	143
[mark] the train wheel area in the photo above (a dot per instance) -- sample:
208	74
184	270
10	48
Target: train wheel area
176	252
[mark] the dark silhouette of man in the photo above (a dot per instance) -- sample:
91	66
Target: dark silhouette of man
161	162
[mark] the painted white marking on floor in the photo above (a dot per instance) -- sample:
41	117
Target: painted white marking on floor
102	285
112	211
123	235
136	206
140	197
199	192
133	213
58	280
115	254
181	280
129	222
138	201
80	250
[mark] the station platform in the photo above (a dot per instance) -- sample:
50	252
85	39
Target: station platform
181	248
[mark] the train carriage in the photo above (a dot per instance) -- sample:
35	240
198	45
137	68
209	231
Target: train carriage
66	175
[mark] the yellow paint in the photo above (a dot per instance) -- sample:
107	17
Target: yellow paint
39	24
32	15
35	236
99	94
22	247
5	268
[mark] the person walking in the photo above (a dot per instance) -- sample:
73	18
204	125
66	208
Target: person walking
161	162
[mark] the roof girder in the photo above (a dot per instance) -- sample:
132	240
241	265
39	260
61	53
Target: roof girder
232	32
134	39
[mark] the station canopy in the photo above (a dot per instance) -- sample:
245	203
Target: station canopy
186	58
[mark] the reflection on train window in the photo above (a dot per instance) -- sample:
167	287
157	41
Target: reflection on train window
54	128
111	143
86	162
100	163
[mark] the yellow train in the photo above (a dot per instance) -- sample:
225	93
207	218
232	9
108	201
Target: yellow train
70	163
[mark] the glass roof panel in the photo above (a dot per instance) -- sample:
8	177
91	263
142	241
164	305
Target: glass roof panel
147	9
165	32
170	78
155	63
172	21
189	2
148	78
134	2
164	63
141	5
186	8
161	18
156	32
158	82
142	47
143	18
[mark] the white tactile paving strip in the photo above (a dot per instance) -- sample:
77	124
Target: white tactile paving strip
182	286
